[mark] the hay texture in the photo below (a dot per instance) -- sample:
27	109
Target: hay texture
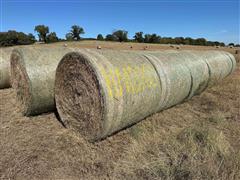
100	92
33	76
5	54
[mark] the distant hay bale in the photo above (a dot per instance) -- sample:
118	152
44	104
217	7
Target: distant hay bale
99	47
33	75
172	46
145	48
5	54
237	51
217	47
177	47
65	45
99	93
131	47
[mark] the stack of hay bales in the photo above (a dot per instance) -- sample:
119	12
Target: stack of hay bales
33	76
5	54
98	93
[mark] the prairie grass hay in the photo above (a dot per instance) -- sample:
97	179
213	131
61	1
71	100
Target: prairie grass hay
33	76
5	54
100	92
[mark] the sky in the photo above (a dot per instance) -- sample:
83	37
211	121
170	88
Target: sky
215	20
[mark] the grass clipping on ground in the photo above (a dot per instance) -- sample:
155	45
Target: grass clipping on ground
199	151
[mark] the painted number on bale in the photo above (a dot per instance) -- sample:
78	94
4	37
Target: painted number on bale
130	80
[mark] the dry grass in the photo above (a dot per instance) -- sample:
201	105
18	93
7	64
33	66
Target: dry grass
199	139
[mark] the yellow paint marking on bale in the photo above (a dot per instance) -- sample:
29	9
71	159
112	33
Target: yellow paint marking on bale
126	79
119	89
107	80
117	78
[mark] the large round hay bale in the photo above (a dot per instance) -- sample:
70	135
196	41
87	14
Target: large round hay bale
220	64
5	54
33	76
182	68
92	88
99	93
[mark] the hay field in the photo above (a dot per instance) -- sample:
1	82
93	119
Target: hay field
199	139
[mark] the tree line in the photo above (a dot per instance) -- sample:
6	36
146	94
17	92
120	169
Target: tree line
11	38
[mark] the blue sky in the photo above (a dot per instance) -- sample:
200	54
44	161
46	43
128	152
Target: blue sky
214	20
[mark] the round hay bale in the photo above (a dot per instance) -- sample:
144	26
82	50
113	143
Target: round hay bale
145	48
97	89
220	64
33	76
185	71
65	45
5	54
99	47
98	93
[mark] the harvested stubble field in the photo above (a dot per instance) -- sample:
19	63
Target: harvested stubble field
198	139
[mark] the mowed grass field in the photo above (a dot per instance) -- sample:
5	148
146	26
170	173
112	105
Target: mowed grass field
198	139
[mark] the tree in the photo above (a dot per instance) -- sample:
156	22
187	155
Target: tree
76	31
210	43
188	41
111	37
222	44
179	40
69	37
42	32
139	37
154	38
31	37
121	35
231	44
12	38
52	37
147	38
100	37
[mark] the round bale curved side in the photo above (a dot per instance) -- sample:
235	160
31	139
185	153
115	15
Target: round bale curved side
33	75
101	92
98	92
5	54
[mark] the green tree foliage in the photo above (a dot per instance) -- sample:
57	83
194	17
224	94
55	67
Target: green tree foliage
52	37
100	37
139	37
188	41
231	44
121	35
147	38
155	38
152	38
69	37
76	31
42	32
200	41
111	37
12	38
179	40
31	37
